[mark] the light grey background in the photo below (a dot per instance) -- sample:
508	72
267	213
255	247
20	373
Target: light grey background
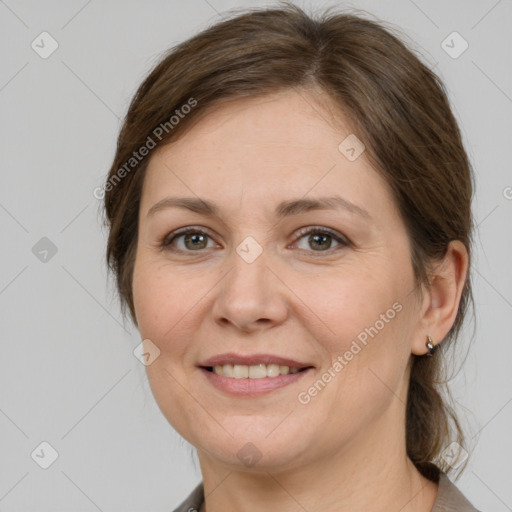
68	375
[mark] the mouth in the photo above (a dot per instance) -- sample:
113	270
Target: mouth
252	375
258	371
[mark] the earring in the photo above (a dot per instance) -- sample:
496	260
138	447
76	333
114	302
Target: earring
431	346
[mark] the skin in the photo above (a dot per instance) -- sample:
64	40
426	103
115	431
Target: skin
345	449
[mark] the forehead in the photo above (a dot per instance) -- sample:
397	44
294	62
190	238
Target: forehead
294	121
261	151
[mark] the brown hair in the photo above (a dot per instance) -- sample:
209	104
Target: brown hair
396	105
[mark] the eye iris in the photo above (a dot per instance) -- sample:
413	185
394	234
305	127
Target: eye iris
195	237
321	239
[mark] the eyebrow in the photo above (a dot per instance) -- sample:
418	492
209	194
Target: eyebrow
283	209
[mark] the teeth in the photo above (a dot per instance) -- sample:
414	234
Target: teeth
273	370
227	370
240	372
258	371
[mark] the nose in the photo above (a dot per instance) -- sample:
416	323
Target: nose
251	297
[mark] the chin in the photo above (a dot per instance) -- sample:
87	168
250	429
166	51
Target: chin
254	446
253	457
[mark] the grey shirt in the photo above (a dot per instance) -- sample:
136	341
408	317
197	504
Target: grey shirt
449	499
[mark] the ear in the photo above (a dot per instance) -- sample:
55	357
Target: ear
441	299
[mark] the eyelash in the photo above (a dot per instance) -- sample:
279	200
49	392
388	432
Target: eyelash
312	230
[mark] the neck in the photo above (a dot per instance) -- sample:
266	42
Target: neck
375	475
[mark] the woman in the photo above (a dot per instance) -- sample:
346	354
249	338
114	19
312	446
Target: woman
290	228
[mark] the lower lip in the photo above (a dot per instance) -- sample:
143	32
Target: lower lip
246	387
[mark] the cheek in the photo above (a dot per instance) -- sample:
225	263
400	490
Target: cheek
170	307
366	318
158	306
352	303
163	316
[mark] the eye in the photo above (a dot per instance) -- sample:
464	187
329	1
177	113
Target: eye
192	239
320	239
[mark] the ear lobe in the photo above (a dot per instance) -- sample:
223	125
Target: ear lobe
442	298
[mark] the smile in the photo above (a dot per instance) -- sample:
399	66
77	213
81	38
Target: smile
252	374
258	371
249	381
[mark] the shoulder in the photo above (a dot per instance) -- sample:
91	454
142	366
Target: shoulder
450	499
193	501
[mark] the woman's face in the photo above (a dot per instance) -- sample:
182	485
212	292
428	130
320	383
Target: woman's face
254	284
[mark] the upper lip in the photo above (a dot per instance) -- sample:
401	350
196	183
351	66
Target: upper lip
252	360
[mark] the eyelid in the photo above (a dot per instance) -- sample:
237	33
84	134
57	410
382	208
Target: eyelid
342	240
170	237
